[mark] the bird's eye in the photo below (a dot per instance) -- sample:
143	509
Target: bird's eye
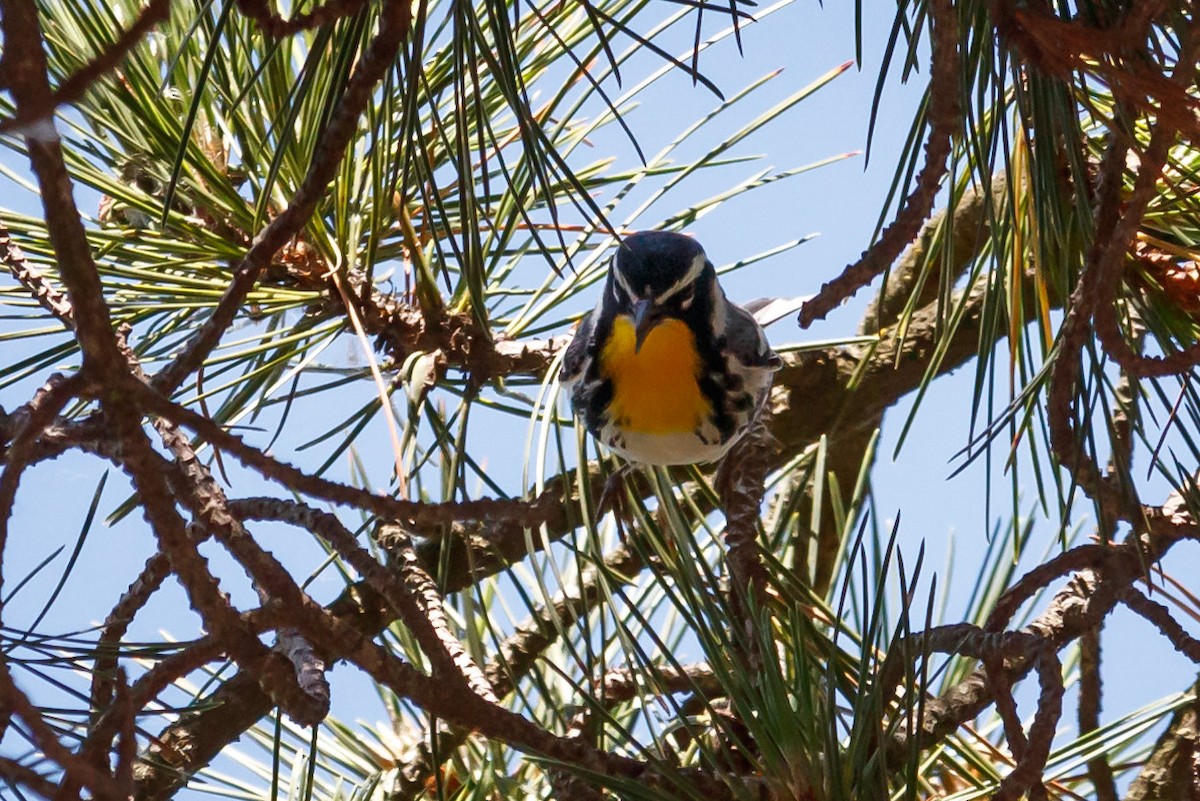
686	297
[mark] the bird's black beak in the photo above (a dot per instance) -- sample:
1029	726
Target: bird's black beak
643	320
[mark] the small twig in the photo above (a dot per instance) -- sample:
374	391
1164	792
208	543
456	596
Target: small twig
447	701
1061	48
999	684
125	712
61	436
28	82
422	589
1027	774
163	674
1124	416
1152	162
622	684
402	329
33	419
1117	221
1079	607
1076	559
309	666
193	485
150	473
939	255
195	488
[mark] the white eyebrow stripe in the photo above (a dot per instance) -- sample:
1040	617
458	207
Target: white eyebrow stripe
616	271
694	270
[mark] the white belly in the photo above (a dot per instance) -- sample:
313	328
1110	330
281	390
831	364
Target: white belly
681	447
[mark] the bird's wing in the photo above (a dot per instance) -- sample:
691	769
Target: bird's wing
746	341
576	356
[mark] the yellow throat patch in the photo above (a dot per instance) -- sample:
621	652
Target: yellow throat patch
654	389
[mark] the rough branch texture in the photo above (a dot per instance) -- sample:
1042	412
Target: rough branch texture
840	394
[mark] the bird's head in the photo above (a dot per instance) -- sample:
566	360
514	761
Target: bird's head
660	274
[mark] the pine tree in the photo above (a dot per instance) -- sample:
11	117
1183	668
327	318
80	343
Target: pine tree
295	297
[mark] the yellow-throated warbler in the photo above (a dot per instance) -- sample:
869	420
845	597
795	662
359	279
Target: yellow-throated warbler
665	370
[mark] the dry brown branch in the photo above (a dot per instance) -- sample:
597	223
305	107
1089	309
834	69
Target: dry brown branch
946	246
30	88
420	613
523	513
73	88
1087	599
275	25
156	570
458	664
32	279
194	486
1064	439
193	741
839	393
741	481
28	423
999	686
1099	770
516	657
1152	162
20	775
274	673
1079	558
402	329
442	699
395	21
125	712
968	640
944	117
1065	49
1160	617
413	598
192	483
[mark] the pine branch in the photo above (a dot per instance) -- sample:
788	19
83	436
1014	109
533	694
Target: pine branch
837	389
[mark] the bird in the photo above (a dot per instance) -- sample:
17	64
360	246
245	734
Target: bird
665	370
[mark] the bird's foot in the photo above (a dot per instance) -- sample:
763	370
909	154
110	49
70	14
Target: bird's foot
613	499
